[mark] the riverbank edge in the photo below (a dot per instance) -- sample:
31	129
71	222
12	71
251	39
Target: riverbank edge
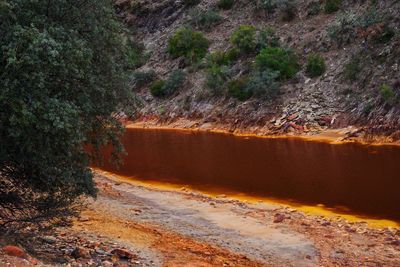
350	134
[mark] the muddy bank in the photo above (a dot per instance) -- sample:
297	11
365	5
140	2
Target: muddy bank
158	226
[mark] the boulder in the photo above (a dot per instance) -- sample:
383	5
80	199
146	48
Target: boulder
14	251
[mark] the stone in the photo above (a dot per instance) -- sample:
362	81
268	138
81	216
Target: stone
14	251
80	252
123	253
278	218
49	239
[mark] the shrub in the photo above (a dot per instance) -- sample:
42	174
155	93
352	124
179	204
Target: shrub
237	88
313	8
191	2
263	84
215	78
205	19
174	82
344	30
332	6
225	4
156	88
315	65
136	55
278	59
243	38
222	58
267	5
371	17
190	44
232	55
353	68
142	78
386	35
387	94
288	10
267	38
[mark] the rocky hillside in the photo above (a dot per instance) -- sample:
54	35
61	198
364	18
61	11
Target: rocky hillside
344	58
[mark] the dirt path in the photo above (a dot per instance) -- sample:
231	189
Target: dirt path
184	228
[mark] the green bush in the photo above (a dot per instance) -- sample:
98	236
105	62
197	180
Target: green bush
205	20
332	6
267	37
190	44
263	84
161	88
232	55
216	77
142	78
191	2
278	59
156	88
237	89
267	5
313	8
315	65
174	82
344	30
223	58
288	10
136	54
225	4
387	94
353	68
244	38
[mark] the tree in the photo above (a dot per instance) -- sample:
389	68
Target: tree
62	78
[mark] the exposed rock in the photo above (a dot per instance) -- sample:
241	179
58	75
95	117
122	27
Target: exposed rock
14	251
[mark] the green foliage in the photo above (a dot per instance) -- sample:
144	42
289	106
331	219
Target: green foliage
263	84
187	43
225	4
387	94
161	88
205	20
387	34
315	65
353	68
344	30
278	59
237	89
157	88
370	17
223	58
267	5
174	82
267	37
142	78
191	2
244	38
62	76
216	77
313	8
136	54
288	9
332	6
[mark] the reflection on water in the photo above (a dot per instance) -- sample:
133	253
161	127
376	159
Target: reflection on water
365	180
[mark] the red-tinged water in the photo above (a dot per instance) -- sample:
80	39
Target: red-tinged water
364	180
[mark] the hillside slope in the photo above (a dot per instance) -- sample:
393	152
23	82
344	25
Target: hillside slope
360	44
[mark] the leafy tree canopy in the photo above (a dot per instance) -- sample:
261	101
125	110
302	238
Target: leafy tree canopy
62	78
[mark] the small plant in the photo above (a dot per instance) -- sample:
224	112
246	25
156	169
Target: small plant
267	38
313	8
136	54
278	59
263	84
216	77
387	94
344	30
353	68
237	89
223	58
190	44
232	55
225	4
267	5
174	82
386	35
371	17
156	88
332	6
315	65
142	78
205	20
244	38
191	2
288	10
